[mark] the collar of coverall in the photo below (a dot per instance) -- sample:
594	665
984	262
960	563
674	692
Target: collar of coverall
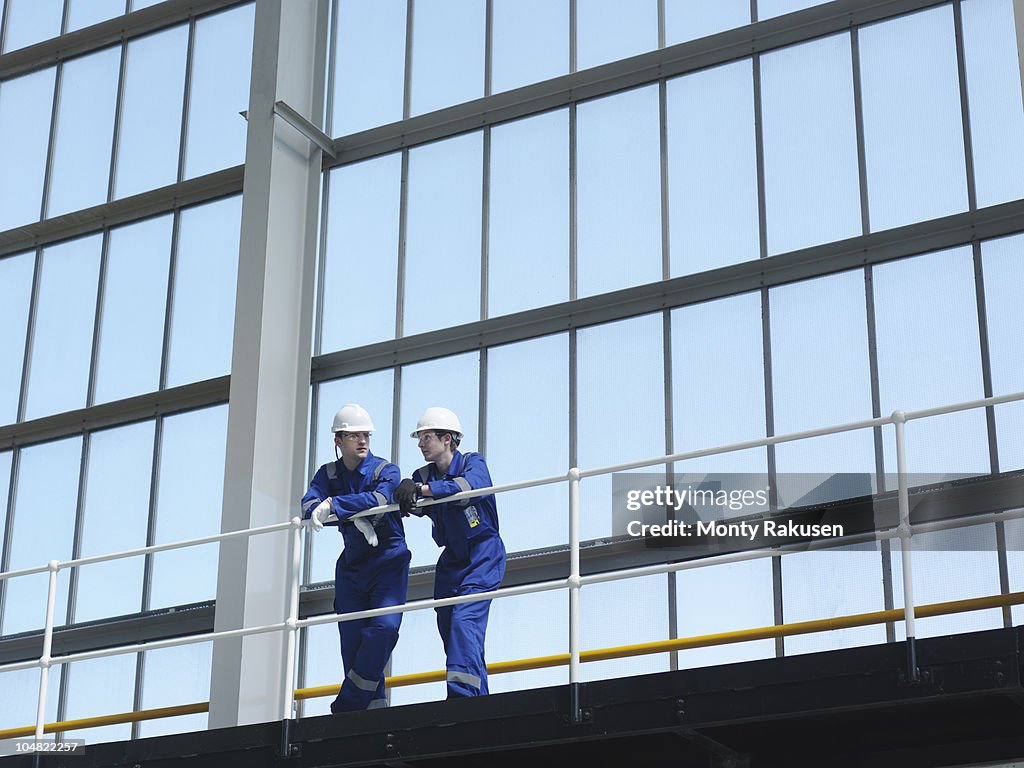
363	468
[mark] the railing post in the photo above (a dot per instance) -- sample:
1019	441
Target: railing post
44	659
574	596
294	575
913	673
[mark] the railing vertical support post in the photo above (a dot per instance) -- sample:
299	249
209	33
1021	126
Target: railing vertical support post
291	630
913	673
575	709
44	659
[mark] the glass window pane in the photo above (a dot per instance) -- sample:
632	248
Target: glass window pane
85	13
369	65
913	134
618	192
970	553
531	42
25	106
6	458
624	613
203	306
831	583
221	59
994	96
136	5
115	518
323	664
821	325
704	398
21	694
173	676
443	234
31	21
686	20
712	169
513	632
132	319
150	130
447	53
1003	260
528	238
375	392
609	30
85	132
767	9
637	402
48	471
362	250
15	300
812	192
929	355
96	687
62	338
419	649
188	505
451	382
531	410
746	587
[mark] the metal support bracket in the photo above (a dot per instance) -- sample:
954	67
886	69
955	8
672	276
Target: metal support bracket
912	674
306	128
285	749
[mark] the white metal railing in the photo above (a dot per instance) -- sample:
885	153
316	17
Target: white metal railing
574	581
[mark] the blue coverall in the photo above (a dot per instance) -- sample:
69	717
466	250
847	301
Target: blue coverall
365	577
473	561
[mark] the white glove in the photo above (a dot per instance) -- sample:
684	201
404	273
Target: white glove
366	528
320	514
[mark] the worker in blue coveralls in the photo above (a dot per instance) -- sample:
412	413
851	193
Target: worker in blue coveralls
373	569
473	559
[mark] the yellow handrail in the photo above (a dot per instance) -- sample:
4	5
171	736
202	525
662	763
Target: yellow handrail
561	659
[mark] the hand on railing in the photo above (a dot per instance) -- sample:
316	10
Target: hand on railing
320	515
405	496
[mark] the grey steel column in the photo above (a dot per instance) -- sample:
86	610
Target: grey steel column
264	472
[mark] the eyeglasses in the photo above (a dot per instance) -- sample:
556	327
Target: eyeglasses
354	436
426	437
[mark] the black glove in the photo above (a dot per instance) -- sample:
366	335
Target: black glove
405	495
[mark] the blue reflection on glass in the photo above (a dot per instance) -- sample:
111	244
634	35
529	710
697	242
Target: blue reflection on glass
203	307
150	130
686	20
717	362
21	692
101	687
528	241
712	169
746	587
528	403
812	191
620	369
85	13
442	255
994	96
531	42
62	338
15	300
608	30
618	190
513	632
913	134
447	53
1002	260
132	318
189	497
115	518
25	106
31	21
451	382
173	676
361	250
929	355
624	612
767	9
375	392
821	326
369	65
85	132
47	473
221	59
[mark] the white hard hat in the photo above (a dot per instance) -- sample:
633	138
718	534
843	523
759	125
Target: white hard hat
439	419
352	418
